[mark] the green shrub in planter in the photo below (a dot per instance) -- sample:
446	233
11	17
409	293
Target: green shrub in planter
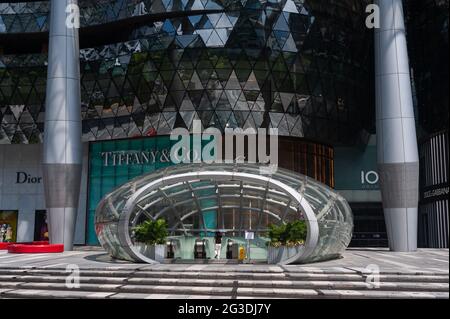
297	231
290	234
152	232
277	234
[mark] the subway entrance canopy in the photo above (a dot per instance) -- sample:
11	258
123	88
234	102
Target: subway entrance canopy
198	199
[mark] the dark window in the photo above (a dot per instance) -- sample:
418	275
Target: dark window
369	227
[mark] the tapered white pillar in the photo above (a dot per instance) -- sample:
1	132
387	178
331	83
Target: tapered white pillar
398	160
62	131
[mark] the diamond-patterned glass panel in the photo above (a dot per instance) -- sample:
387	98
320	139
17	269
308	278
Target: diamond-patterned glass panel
296	65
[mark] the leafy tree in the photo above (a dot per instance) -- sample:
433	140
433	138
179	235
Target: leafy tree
297	231
152	232
289	234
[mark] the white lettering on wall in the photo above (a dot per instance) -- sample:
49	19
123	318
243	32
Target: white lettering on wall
370	177
132	157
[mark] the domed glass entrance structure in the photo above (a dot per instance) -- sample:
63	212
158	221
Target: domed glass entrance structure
198	200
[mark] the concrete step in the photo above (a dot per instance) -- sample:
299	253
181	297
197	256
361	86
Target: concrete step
315	270
244	269
239	283
66	294
354	277
58	291
149	274
224	274
355	285
303	276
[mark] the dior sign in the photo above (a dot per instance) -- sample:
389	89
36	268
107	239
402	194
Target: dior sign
125	158
25	178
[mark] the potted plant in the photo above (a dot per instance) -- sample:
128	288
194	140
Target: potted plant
150	237
286	240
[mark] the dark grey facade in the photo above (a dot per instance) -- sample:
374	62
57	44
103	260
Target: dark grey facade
427	23
433	213
301	67
428	48
147	67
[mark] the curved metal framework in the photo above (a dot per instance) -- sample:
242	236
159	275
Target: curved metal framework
198	200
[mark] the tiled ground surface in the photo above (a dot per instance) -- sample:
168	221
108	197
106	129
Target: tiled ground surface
422	261
422	274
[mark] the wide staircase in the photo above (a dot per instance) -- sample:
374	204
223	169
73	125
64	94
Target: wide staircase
273	282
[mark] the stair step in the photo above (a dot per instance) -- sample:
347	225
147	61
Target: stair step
355	285
383	278
230	275
150	274
194	282
183	293
288	292
35	293
242	269
314	270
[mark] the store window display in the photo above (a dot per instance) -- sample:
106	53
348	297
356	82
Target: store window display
8	226
40	226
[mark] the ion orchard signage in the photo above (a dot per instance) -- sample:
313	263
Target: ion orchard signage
356	169
370	177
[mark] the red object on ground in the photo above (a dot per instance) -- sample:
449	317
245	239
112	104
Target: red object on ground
46	242
35	248
4	246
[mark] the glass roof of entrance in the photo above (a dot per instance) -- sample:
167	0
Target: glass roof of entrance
200	199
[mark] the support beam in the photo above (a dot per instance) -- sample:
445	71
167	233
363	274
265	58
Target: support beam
62	160
398	160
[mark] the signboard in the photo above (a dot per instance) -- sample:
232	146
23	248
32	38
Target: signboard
435	193
356	169
249	235
113	163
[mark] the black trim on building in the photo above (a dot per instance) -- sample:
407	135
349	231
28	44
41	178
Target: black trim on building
434	186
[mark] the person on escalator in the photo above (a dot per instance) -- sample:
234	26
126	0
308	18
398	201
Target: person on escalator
218	246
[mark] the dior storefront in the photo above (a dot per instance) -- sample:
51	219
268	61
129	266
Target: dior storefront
22	205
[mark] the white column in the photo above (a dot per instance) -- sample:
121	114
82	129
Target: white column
398	158
62	131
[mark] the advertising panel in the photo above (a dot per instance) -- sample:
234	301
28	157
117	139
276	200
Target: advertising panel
356	169
8	226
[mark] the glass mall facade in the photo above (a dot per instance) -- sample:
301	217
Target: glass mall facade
282	64
428	27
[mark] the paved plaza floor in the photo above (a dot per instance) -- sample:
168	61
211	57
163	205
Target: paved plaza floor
86	257
422	274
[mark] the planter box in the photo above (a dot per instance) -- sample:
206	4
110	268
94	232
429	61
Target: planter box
155	252
276	255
